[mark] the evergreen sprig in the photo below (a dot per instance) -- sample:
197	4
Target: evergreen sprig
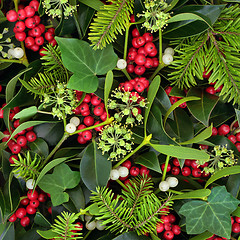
65	228
215	50
138	210
109	21
27	167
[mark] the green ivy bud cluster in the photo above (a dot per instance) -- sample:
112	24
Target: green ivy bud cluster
116	140
62	100
221	158
5	44
127	106
57	8
155	17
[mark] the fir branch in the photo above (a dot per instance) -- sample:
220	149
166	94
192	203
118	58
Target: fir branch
109	21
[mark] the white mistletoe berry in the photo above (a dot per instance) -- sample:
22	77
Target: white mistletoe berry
11	52
100	226
114	174
75	121
70	128
123	171
169	50
167	59
121	63
91	225
164	186
18	52
88	218
30	183
172	181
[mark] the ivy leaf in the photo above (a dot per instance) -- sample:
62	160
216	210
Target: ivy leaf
205	215
62	178
85	63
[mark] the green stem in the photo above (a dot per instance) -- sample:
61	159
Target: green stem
126	73
64	137
43	112
10	60
16	5
73	165
160	47
120	183
88	233
160	66
64	120
165	168
126	42
174	191
108	121
24	58
145	141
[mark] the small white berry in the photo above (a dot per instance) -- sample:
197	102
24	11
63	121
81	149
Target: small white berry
18	52
169	50
123	171
121	63
70	128
172	181
75	121
30	183
100	226
167	59
164	186
114	174
91	225
88	218
11	51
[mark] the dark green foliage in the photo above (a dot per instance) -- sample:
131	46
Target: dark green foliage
109	21
138	211
216	50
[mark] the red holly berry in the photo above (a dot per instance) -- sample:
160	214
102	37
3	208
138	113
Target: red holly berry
81	140
223	129
168	167
24	201
13	218
210	90
176	229
134	43
30	210
95	100
134	171
165	219
12	158
98	110
132	55
127	164
20	213
20	26
168	235
135	33
175	171
22	141
232	138
144	171
34	203
214	131
29	41
186	171
32	195
87	135
30	11
176	162
149	47
49	36
196	172
20	36
12	16
128	86
153	53
139	87
31	136
42	197
30	23
148	37
207	74
88	121
36	32
34	4
16	148
21	14
148	63
236	227
139	70
140	41
39	41
159	227
25	221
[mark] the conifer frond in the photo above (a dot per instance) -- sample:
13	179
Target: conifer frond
28	167
138	210
65	228
109	21
217	51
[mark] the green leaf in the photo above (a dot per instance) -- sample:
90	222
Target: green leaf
49	234
85	63
237	114
181	152
8	233
95	4
236	212
77	197
26	113
149	160
92	165
152	91
154	237
107	88
40	220
130	236
176	104
56	183
39	146
200	193
202	236
202	108
205	215
206	133
223	173
233	185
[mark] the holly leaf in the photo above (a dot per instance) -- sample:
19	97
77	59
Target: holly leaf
85	63
56	183
212	215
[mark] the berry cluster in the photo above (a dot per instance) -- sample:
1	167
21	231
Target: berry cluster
137	84
166	226
235	229
190	167
92	224
28	20
28	205
170	182
93	111
174	99
142	54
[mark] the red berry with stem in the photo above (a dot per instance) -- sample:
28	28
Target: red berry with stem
128	86
34	4
13	218
30	210
21	14
25	221
206	74
173	100
153	53
87	135
32	195
98	110
214	131
49	36
96	100
165	219
148	63
139	70
30	23
37	19
34	203
134	43
168	167
139	87
132	55
134	171
142	51
16	148
172	218
20	26
202	146
155	62
186	171
81	140
29	41
12	16
149	47
24	201
167	226
31	136
196	172
168	235
223	129
194	164
140	41
140	59
144	171
175	171
130	68
135	33
148	37
36	32
42	27
20	213
176	162
22	141
88	121
39	41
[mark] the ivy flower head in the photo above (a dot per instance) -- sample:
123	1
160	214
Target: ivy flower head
116	140
5	44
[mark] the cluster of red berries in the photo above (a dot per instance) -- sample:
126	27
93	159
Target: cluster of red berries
174	99
225	130
138	84
28	205
93	110
235	229
29	20
142	54
166	226
190	167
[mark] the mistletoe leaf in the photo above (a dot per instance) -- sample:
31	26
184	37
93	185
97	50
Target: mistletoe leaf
212	215
85	63
56	183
